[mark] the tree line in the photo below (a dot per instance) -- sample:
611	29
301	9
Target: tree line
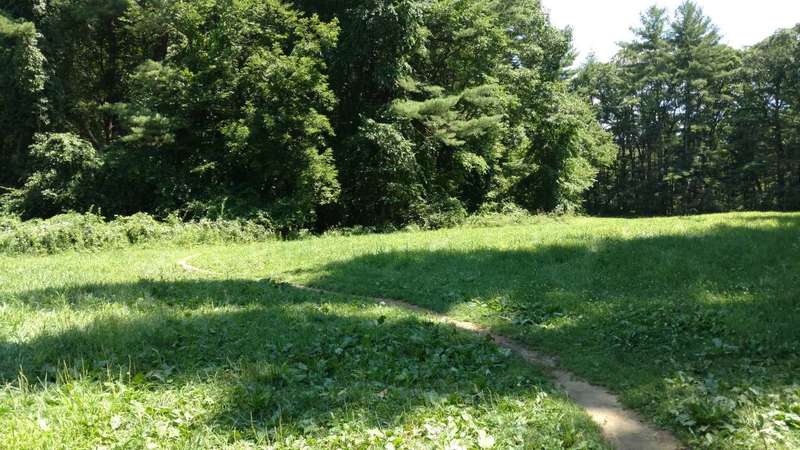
311	114
700	127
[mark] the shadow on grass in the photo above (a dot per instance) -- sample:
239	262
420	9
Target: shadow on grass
283	359
658	319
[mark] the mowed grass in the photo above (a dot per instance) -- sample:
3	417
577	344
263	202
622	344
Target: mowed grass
124	349
694	321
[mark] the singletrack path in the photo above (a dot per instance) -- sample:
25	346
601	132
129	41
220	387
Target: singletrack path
622	428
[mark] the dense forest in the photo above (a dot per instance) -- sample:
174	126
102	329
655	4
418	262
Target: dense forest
699	126
312	114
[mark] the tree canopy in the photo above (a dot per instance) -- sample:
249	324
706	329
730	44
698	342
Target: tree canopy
311	114
700	127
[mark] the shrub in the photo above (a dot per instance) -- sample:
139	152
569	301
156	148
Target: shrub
499	214
73	231
65	166
59	233
140	228
443	213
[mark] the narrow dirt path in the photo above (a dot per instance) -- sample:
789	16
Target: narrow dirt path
622	428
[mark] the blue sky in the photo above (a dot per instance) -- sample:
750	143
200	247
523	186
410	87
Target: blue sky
599	24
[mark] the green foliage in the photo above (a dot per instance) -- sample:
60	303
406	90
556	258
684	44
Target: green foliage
80	232
765	141
378	41
386	184
570	148
296	113
275	108
22	106
240	112
64	167
486	113
699	126
457	141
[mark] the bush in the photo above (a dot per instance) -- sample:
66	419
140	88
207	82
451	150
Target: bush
65	166
443	213
63	232
74	231
499	214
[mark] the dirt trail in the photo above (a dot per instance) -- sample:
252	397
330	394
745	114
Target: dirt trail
622	428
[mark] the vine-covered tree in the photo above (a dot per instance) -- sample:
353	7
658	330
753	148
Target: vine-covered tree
23	110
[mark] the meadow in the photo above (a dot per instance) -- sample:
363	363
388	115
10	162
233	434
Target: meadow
694	322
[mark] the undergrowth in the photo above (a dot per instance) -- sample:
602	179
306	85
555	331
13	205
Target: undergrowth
75	231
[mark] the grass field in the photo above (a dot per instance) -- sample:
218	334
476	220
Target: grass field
125	350
694	322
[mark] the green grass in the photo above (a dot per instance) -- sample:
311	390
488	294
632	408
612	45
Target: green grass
694	322
125	350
